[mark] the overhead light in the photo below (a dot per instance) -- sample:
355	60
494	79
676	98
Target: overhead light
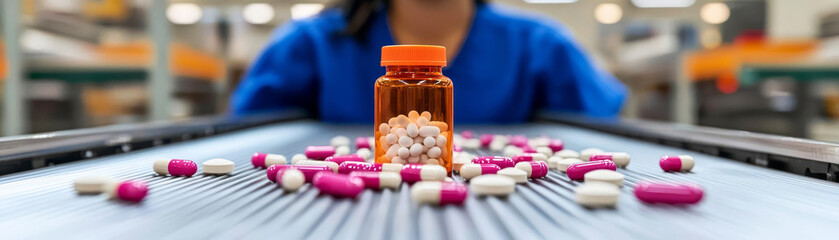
550	1
258	13
608	13
184	13
715	13
304	10
663	3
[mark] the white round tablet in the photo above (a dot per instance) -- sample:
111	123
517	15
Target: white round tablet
606	176
563	164
492	184
597	194
91	184
567	153
516	174
218	166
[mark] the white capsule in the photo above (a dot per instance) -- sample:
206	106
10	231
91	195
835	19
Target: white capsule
91	184
496	146
512	151
471	170
563	164
332	165
606	176
391	139
403	152
342	151
585	154
220	166
430	141
298	157
461	160
416	149
292	180
412	130
339	141
545	151
472	144
516	174
405	141
597	194
392	167
429	131
567	153
364	153
492	185
434	152
621	159
553	162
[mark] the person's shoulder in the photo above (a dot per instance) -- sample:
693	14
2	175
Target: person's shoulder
521	20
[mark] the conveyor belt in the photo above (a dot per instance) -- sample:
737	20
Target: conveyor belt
741	202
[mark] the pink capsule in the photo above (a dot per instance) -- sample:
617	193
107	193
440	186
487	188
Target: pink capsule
347	158
290	179
556	145
175	167
486	139
470	171
379	180
467	134
132	191
348	167
621	159
668	193
264	160
503	162
362	142
529	157
534	169
528	149
421	172
683	163
319	152
309	171
439	193
457	148
579	170
338	185
518	141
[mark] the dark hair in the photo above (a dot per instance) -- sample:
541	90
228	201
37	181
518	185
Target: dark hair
357	13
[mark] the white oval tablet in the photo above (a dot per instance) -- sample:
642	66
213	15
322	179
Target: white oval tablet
339	141
563	164
567	153
553	162
275	159
342	151
332	165
597	194
292	180
91	184
492	184
516	174
390	180
364	153
606	176
298	157
586	153
218	166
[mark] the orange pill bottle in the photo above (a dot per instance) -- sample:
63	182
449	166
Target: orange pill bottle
413	122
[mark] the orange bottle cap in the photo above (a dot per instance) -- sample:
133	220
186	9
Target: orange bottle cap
413	55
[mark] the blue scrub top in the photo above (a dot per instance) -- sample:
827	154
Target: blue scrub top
511	65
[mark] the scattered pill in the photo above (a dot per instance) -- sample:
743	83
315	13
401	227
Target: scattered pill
467	134
319	152
91	184
132	191
553	162
518	141
529	157
516	174
597	194
348	167
567	153
496	146
668	193
342	151
459	161
265	160
297	157
486	139
681	163
510	151
606	176
439	193
175	167
470	171
362	142
339	141
578	171
331	165
217	166
308	171
492	185
348	158
621	159
290	179
419	172
533	169
379	180
528	149
456	148
472	144
545	151
585	154
563	164
338	185
502	162
556	145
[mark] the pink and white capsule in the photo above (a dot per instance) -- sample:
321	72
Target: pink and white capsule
530	157
486	139
331	165
290	179
348	167
534	169
175	167
470	171
502	162
308	171
347	158
338	185
579	170
379	180
439	193
132	191
362	142
681	163
419	172
264	160
620	158
319	152
556	145
668	193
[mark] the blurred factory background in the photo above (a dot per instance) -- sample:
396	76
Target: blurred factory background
759	65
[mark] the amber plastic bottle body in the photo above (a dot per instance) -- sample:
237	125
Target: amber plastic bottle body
404	89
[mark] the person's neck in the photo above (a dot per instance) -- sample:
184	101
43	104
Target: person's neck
435	22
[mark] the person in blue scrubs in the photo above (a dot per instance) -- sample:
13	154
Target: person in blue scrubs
505	65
